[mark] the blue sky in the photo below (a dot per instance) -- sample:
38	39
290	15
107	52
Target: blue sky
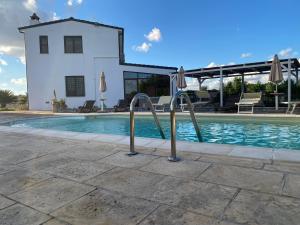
189	33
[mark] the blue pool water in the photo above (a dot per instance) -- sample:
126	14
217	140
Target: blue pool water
274	133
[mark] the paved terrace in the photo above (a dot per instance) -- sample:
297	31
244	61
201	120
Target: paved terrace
60	181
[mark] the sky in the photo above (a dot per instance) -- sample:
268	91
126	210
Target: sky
190	33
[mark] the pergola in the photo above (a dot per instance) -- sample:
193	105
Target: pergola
289	66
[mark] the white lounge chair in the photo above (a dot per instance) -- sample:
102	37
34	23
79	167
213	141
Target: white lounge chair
162	103
203	97
249	99
292	106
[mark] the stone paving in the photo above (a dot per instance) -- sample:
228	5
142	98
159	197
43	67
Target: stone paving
59	181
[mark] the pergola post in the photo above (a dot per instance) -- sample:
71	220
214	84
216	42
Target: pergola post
221	87
297	77
289	82
243	84
200	81
172	84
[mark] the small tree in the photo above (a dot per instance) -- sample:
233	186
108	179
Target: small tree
6	97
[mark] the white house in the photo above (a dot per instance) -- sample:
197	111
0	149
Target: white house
68	56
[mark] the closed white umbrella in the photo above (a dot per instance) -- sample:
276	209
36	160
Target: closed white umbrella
180	82
276	76
102	89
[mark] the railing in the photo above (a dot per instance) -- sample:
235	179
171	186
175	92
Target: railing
173	157
132	104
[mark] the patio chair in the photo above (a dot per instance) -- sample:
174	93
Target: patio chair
122	106
249	99
162	103
292	106
87	107
203	98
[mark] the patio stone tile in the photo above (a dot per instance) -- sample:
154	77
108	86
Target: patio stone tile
104	207
123	160
284	167
263	209
51	194
128	181
5	202
286	155
251	152
166	215
47	162
90	154
107	138
208	148
155	143
139	141
21	215
15	156
292	185
248	178
182	155
55	222
244	162
6	167
204	198
80	171
19	179
182	168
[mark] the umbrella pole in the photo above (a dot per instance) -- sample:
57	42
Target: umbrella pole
276	98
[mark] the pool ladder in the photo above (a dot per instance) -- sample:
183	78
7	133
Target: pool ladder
182	94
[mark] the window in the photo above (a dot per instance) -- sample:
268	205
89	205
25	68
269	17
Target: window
44	45
73	44
75	86
151	84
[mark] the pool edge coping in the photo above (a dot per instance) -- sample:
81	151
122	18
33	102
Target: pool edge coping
155	143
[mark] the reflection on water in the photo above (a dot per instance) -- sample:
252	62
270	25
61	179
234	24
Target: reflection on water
263	134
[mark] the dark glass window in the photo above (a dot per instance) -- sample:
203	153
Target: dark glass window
44	45
75	86
151	84
73	44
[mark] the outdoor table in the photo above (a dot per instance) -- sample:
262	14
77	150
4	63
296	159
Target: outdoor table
276	94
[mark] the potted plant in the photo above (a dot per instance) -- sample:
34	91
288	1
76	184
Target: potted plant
62	105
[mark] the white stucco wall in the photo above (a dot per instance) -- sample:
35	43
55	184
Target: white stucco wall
46	72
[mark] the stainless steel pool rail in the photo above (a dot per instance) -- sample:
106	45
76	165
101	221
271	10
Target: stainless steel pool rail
173	157
132	104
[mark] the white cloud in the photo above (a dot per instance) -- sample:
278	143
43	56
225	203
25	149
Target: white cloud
70	2
30	5
246	55
55	16
231	63
212	64
3	62
154	35
18	81
145	47
285	52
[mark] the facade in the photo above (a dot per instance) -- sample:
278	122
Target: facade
68	56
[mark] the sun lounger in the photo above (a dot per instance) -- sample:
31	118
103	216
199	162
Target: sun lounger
87	107
292	106
203	97
249	99
162	103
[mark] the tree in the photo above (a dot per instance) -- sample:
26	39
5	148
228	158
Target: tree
23	99
6	97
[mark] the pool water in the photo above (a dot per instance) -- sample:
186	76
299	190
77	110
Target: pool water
279	133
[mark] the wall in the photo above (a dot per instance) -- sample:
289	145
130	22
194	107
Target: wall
46	72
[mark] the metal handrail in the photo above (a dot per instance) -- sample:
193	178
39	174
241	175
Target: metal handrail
132	104
173	157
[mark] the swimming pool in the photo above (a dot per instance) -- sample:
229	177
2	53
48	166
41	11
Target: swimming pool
262	132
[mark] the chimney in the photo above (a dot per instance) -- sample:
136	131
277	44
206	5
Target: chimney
34	19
